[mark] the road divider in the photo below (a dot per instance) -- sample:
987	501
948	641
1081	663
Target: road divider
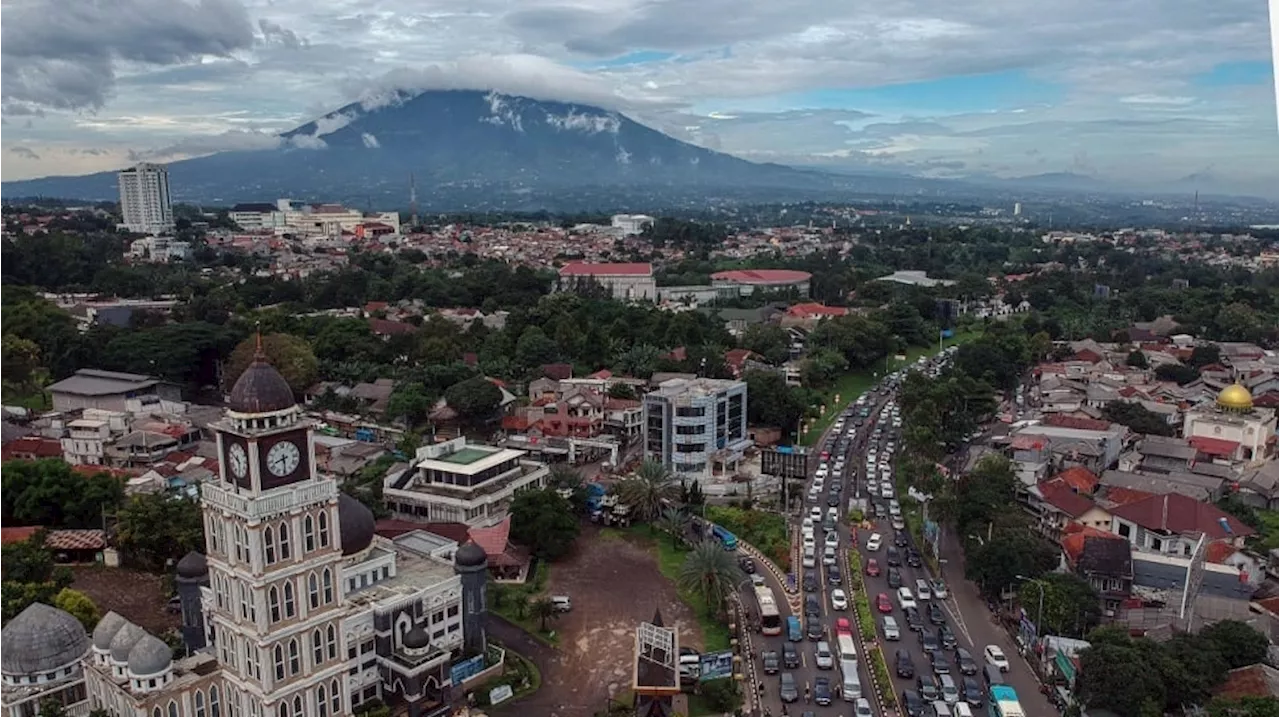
866	624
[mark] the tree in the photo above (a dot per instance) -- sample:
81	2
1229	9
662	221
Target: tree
155	530
1239	644
1116	678
1244	707
19	360
1203	355
52	707
1137	418
534	348
29	575
1071	605
649	490
543	609
410	402
623	391
709	571
475	399
1176	372
772	342
80	606
290	355
773	402
1137	359
49	493
544	522
675	523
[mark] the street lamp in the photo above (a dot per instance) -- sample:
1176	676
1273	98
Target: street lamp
1040	613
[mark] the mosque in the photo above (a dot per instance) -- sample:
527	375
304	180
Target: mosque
297	610
1232	428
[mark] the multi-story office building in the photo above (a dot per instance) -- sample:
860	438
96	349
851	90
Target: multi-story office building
625	282
452	482
144	199
697	427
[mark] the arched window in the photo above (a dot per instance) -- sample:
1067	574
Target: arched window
313	591
308	533
297	704
332	642
289	607
317	647
269	544
285	550
335	697
322	704
323	522
283	710
173	709
215	709
279	660
273	603
327	579
198	700
157	712
295	662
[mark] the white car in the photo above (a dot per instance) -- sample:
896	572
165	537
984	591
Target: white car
995	657
838	600
757	579
898	523
862	708
873	543
886	488
816	513
905	599
873	488
939	589
829	556
922	589
833	539
895	508
810	559
809	541
833	513
808	522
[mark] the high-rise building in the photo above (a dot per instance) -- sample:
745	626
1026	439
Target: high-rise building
696	426
144	199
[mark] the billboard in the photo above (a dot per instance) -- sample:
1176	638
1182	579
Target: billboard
715	665
463	670
785	462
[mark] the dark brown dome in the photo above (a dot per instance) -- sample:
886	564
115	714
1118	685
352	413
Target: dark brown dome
356	524
470	555
260	389
193	565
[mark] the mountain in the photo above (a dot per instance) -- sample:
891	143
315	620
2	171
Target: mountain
464	148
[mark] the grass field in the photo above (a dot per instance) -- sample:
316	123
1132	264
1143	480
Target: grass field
853	384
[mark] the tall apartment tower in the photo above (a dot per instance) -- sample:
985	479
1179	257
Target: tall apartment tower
144	199
275	556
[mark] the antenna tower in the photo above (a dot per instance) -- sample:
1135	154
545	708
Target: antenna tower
413	201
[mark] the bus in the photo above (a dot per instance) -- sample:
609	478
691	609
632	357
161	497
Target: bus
770	618
727	539
1003	702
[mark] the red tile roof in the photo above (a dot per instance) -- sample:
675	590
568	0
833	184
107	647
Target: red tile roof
1271	605
762	276
76	540
814	309
1177	513
32	446
1081	479
582	268
457	532
384	327
1214	446
1078	422
1076	535
1059	495
8	536
601	374
1251	681
1123	496
1027	443
1219	551
493	539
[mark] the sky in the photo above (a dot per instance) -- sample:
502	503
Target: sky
1137	93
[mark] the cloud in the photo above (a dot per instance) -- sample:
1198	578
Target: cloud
273	33
24	152
65	54
230	141
369	141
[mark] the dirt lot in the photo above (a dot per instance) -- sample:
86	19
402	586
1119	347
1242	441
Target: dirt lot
138	596
615	584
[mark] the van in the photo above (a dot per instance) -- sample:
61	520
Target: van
905	599
794	633
992	675
562	603
850	685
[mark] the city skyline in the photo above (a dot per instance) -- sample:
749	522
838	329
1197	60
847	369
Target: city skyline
1136	95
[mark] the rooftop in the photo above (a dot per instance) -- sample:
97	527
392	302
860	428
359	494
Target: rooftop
677	387
762	276
1176	513
415	570
582	268
92	382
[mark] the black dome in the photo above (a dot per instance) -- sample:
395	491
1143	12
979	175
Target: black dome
260	389
470	555
356	523
193	565
416	638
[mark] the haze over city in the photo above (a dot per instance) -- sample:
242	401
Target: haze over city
1138	95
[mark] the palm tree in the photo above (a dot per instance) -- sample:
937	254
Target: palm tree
543	609
674	522
710	571
649	490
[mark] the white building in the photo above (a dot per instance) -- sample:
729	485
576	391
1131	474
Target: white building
631	224
691	426
159	250
144	199
625	282
1232	429
452	482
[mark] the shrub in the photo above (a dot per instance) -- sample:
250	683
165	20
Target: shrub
880	673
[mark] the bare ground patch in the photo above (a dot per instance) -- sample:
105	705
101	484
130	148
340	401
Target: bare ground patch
138	596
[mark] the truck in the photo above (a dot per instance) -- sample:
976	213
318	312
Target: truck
846	647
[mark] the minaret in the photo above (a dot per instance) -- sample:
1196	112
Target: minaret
472	565
275	554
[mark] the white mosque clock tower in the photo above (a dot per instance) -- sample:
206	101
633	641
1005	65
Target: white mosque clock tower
275	558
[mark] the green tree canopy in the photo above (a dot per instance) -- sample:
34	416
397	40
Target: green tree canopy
1071	606
1137	418
156	530
544	522
475	399
290	355
80	606
49	493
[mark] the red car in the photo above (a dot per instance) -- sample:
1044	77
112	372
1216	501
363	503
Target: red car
883	604
844	627
873	567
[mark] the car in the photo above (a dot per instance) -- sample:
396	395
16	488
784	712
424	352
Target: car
873	543
895	508
912	705
862	708
872	568
884	604
922	589
881	511
829	524
812	607
771	663
822	691
890	627
928	641
893	558
832	540
903	666
562	603
833	575
757	579
828	555
905	598
790	656
995	657
838	600
897	523
946	636
947	686
938	662
809	559
810	581
822	656
747	564
816	513
787	690
809	541
913	558
814	630
914	622
844	627
965	662
971	691
807	523
873	489
895	578
886	489
939	589
833	499
900	539
833	513
927	686
935	614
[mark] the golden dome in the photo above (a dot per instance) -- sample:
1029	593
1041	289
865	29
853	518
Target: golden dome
1235	398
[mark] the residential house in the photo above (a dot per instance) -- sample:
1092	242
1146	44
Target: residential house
1192	485
1258	487
1259	681
1065	499
1173	523
1103	560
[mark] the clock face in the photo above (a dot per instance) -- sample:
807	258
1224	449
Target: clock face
238	460
283	458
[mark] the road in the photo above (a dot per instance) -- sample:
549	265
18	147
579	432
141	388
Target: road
964	610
